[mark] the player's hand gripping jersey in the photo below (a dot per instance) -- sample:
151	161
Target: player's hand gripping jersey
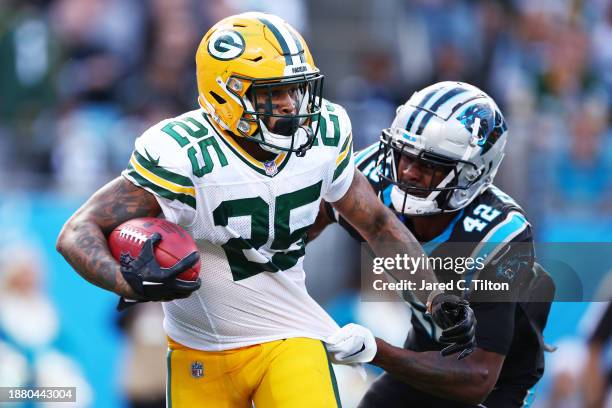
249	220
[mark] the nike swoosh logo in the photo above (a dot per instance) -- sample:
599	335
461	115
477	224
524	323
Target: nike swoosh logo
151	159
358	351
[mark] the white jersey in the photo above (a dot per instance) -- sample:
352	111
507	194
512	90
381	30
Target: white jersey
249	220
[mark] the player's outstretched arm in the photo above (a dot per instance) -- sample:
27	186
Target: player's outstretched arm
469	380
381	228
82	240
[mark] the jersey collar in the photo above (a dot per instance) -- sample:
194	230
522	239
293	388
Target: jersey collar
267	168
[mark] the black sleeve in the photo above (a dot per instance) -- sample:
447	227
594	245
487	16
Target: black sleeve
495	311
511	267
494	326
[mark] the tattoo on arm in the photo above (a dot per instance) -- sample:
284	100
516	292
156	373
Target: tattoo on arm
383	231
83	239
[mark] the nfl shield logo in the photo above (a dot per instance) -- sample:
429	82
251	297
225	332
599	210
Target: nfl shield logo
197	369
271	168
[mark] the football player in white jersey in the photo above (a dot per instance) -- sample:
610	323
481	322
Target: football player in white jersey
244	174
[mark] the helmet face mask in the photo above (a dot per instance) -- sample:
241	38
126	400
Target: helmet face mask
440	172
278	131
457	145
246	61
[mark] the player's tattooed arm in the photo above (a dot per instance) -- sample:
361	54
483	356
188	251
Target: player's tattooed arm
383	231
82	240
468	381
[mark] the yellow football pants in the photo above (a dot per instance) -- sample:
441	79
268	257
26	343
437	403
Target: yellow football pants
290	373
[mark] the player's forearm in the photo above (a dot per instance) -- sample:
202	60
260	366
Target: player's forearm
83	245
383	231
445	377
83	239
388	238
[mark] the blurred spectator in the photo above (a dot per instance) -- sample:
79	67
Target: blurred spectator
80	150
581	368
602	52
167	70
294	11
583	168
597	374
29	54
104	38
565	367
144	365
30	328
30	57
369	98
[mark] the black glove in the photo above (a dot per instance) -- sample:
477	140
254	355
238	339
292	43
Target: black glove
154	283
456	318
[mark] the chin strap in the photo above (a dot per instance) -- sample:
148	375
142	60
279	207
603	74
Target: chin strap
310	138
299	151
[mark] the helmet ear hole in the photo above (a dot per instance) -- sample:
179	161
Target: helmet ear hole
218	98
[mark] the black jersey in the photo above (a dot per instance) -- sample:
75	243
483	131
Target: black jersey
493	227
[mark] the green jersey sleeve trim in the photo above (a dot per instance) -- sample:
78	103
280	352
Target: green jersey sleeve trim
344	158
131	174
153	166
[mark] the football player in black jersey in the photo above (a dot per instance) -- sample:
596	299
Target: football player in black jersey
435	167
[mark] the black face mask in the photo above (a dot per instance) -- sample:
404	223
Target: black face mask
308	107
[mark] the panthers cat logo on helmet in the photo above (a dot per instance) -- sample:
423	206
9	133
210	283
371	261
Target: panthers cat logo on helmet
225	45
456	130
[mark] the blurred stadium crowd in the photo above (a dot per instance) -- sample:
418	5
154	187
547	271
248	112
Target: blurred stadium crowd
81	79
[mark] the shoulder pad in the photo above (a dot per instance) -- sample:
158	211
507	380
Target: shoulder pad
496	198
159	162
166	141
488	219
334	126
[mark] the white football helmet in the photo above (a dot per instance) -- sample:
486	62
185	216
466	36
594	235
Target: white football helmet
451	127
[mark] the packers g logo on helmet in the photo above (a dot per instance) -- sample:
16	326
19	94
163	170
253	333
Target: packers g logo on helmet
244	59
226	45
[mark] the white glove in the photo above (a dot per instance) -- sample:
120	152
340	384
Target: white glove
351	344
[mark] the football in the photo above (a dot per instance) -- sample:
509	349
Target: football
125	243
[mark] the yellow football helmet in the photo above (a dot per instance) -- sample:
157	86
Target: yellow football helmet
255	53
